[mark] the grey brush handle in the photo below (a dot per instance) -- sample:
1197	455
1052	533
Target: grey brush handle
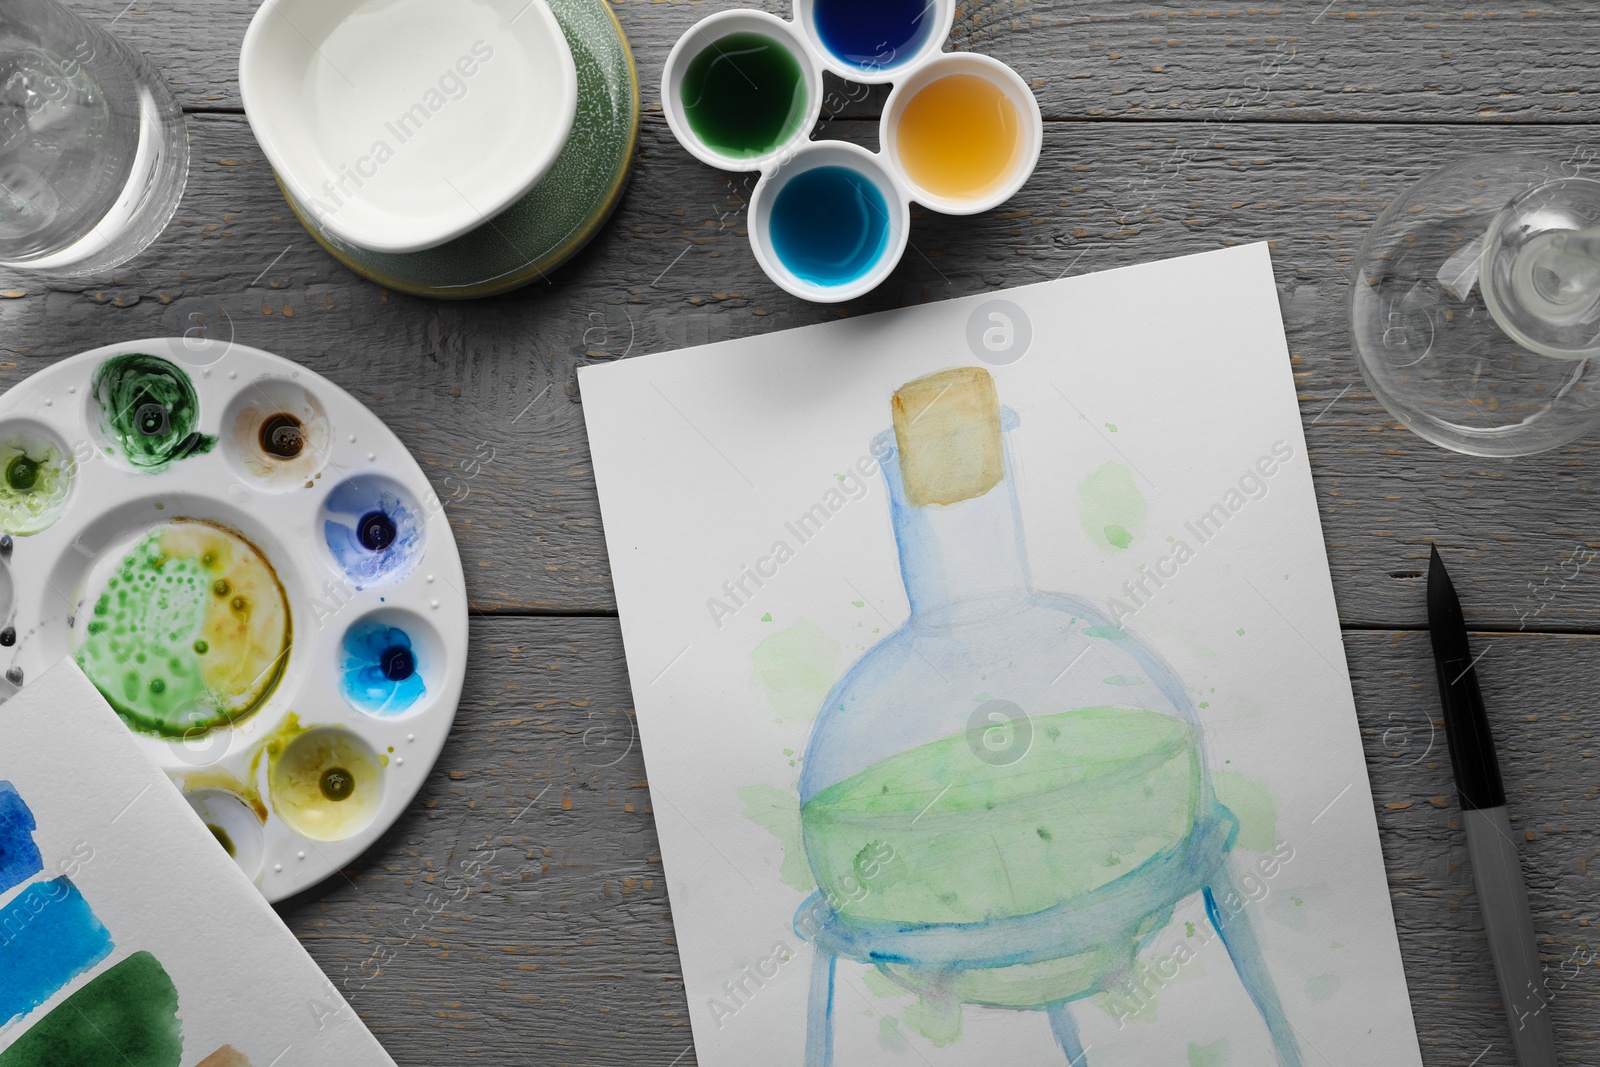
1503	900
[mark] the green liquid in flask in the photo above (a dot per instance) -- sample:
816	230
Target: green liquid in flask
1098	792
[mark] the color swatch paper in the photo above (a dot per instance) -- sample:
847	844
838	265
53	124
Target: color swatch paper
128	937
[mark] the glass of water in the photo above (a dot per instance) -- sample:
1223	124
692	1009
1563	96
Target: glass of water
93	148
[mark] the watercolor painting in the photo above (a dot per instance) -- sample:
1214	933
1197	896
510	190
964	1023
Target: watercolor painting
995	709
101	962
1006	797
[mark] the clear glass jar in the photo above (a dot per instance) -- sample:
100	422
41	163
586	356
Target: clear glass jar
94	152
1475	307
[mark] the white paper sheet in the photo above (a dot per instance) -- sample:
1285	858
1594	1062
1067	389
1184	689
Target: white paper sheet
162	898
1147	399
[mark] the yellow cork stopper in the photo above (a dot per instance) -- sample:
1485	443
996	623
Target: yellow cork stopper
947	426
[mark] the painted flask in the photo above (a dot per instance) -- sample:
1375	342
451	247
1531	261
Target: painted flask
1006	797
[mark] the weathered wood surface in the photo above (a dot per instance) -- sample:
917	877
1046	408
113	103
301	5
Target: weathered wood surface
562	950
1294	124
1101	59
675	268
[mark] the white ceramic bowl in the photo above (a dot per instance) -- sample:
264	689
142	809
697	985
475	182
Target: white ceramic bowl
1007	81
402	124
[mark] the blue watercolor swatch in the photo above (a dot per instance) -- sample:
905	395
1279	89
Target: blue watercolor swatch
19	856
48	936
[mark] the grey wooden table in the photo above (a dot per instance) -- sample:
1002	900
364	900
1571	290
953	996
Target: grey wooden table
1168	130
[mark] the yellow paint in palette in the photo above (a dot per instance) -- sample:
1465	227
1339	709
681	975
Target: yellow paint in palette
325	782
960	137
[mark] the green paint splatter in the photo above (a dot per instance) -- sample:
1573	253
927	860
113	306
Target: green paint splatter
127	1016
1240	631
795	668
149	407
1111	426
767	617
1188	929
1322	986
1212	1055
881	985
890	1039
1252	802
1110	633
778	812
938	1021
1113	511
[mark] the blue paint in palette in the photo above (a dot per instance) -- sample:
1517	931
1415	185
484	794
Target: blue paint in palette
829	225
382	672
374	534
875	35
19	856
48	936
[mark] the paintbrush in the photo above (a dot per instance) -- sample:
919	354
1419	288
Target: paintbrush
1496	873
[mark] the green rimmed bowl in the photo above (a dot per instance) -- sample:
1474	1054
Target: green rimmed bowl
561	214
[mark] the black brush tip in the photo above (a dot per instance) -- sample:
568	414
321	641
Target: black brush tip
1446	624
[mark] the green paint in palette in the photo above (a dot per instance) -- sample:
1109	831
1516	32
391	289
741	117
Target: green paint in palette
127	1016
744	95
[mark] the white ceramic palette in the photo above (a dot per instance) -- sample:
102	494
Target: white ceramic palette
254	572
402	124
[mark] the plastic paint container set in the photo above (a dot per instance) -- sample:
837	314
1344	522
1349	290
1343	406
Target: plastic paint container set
253	571
829	220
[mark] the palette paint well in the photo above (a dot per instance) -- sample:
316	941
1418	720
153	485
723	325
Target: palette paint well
744	94
960	137
873	35
829	225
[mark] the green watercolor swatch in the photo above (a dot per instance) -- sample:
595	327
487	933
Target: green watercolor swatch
1114	511
1212	1055
127	1016
149	407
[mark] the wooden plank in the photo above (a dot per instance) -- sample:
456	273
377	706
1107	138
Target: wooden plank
674	268
560	950
1099	59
